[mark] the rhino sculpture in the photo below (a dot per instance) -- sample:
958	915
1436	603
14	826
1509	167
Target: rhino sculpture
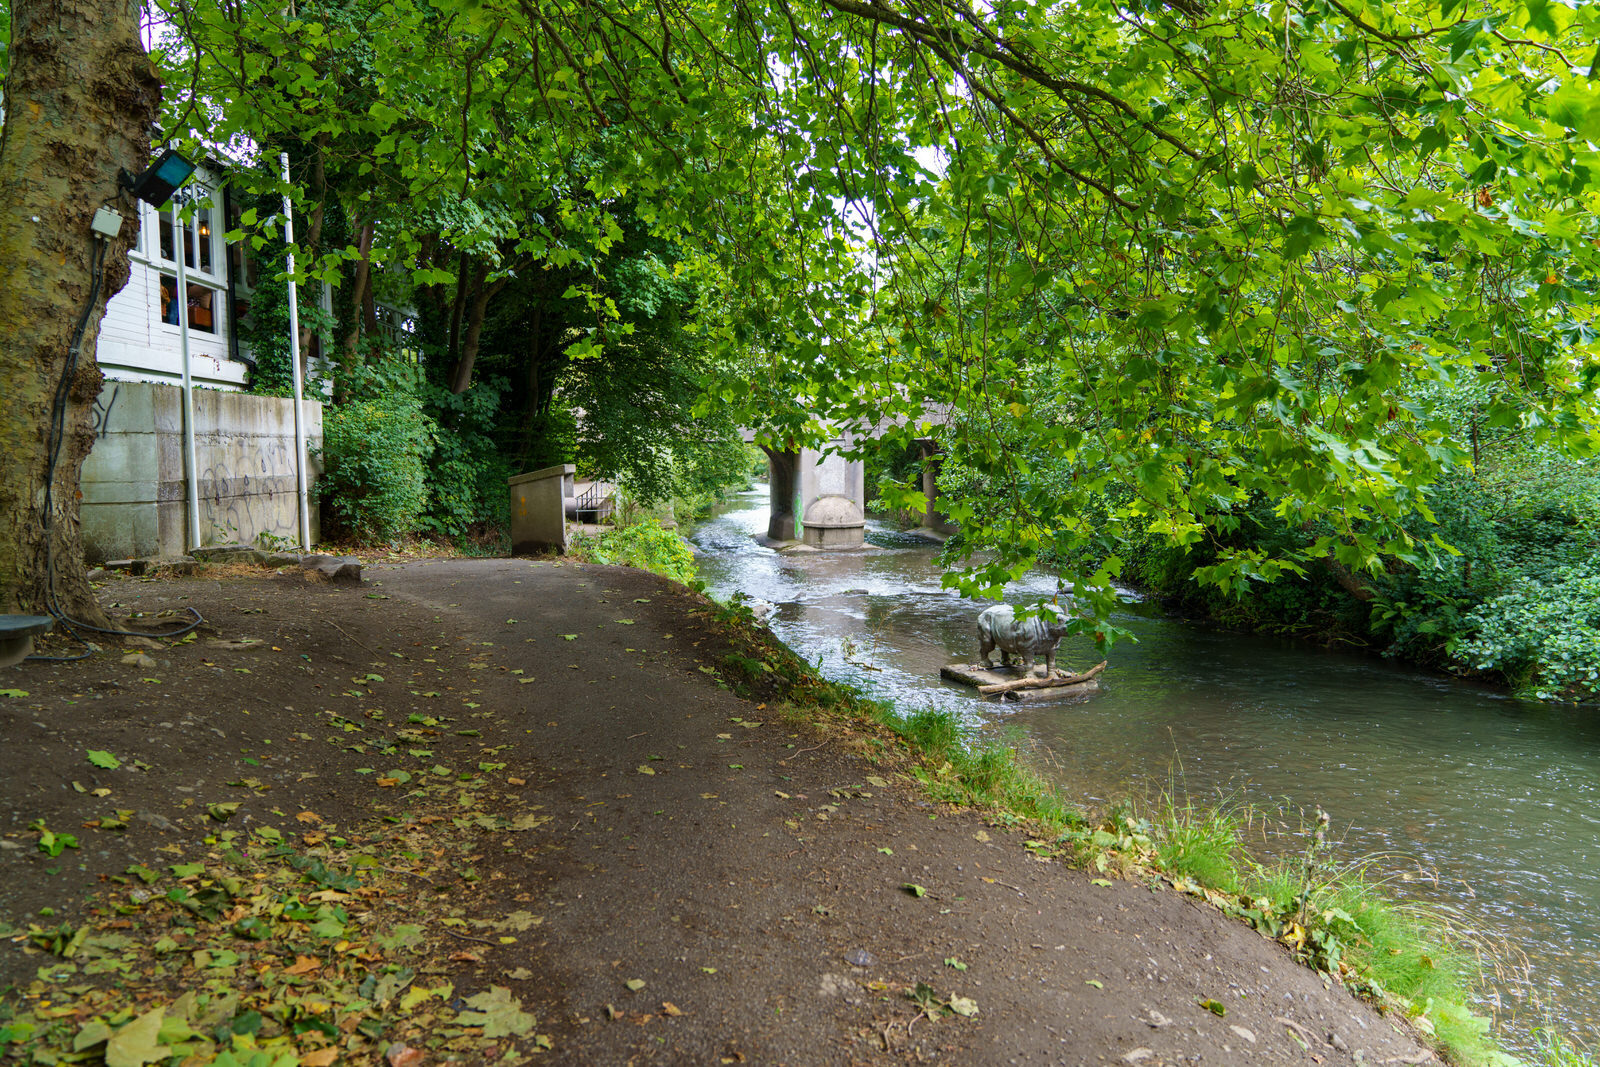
1027	639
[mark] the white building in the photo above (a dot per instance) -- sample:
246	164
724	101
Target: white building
139	338
137	500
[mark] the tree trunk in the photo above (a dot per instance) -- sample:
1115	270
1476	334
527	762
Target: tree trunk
358	297
481	295
457	308
80	97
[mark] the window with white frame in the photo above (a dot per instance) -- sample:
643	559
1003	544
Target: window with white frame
205	265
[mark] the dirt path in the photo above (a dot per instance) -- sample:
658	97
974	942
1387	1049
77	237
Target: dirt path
547	788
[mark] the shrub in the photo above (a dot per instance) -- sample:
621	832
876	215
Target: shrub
467	475
374	448
1544	634
645	545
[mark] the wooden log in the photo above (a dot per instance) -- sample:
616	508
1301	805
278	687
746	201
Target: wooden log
1031	682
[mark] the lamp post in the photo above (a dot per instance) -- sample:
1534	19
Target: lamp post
180	251
294	363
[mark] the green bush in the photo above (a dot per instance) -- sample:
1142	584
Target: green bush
1544	634
374	449
645	545
467	475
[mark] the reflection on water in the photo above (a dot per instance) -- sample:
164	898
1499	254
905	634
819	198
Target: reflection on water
1494	798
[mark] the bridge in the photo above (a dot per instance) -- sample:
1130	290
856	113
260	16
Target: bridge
819	495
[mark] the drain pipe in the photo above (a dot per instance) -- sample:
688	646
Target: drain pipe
294	363
181	243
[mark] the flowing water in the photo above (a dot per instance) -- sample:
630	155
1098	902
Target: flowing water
1482	804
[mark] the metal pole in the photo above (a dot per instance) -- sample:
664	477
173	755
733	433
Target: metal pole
180	244
294	363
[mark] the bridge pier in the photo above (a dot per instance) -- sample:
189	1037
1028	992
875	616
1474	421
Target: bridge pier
933	520
834	492
784	485
817	499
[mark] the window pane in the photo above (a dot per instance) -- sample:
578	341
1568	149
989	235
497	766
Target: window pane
169	303
188	244
202	309
166	236
203	226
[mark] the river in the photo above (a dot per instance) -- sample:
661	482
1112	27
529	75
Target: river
1484	806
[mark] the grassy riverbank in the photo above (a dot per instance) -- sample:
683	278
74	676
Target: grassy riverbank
1335	914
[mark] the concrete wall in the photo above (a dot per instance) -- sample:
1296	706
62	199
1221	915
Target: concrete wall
539	509
134	486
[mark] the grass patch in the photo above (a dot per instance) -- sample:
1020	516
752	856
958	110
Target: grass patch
1200	842
646	545
1553	1050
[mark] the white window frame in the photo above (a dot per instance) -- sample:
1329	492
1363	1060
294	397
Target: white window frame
206	199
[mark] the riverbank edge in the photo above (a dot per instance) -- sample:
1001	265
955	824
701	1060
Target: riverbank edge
1335	922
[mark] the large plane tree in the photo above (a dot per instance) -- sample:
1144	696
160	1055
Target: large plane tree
1185	255
80	99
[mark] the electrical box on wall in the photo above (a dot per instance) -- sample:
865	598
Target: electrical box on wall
106	222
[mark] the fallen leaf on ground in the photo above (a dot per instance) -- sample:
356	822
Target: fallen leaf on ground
498	1012
964	1006
401	1055
138	1043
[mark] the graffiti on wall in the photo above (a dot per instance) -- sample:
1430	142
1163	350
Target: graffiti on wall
135	480
100	414
260	504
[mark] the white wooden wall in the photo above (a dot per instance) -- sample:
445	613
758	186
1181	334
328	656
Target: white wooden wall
136	345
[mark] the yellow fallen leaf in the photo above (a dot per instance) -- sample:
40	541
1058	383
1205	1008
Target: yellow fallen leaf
669	1008
322	1057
